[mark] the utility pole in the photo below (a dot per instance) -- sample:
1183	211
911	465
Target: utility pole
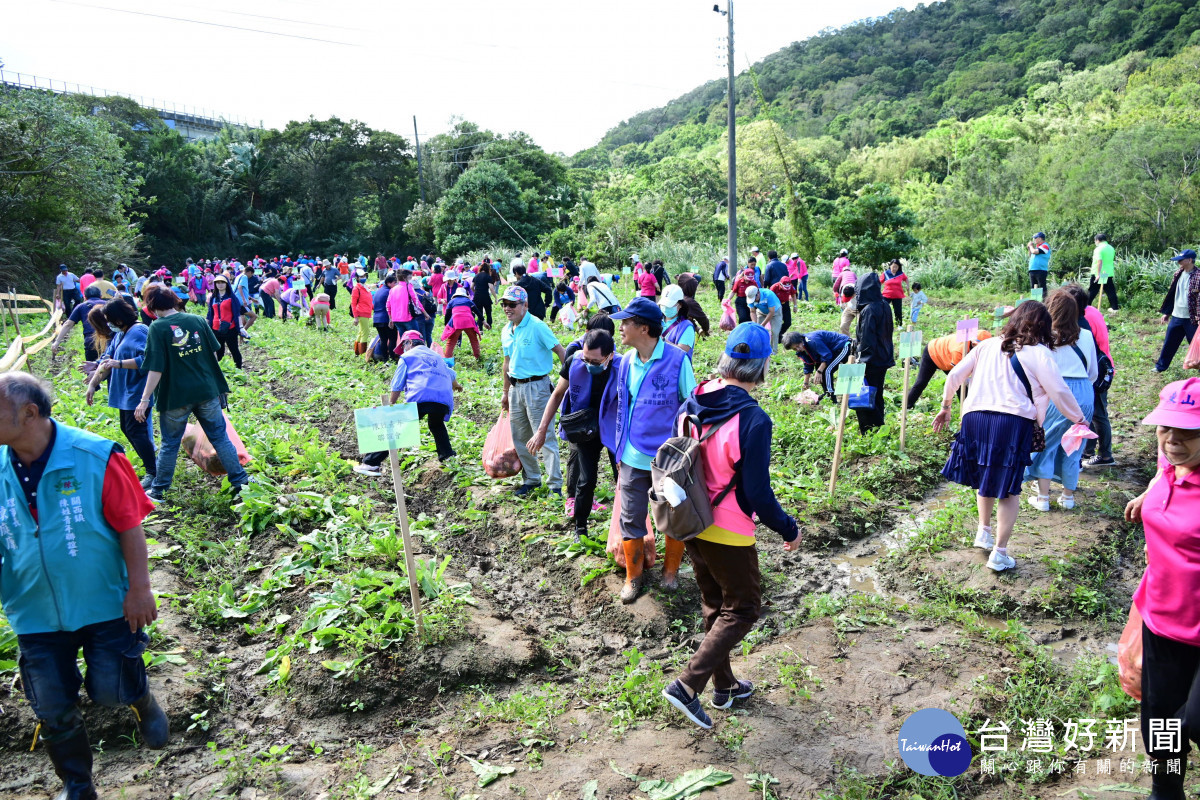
732	103
420	171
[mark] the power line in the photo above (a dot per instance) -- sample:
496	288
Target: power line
202	22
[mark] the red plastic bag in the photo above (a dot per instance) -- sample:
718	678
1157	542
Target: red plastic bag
200	450
500	458
614	536
1192	360
1129	654
729	319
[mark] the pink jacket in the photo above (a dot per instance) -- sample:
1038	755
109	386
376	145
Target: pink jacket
400	302
1099	330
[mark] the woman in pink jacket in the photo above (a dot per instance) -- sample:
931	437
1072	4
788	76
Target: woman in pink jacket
403	305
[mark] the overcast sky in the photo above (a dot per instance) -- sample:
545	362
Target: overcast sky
564	71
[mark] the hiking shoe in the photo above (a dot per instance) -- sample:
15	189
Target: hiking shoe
147	482
1065	502
983	538
723	698
155	495
999	562
569	507
524	489
677	696
367	469
1040	502
1097	461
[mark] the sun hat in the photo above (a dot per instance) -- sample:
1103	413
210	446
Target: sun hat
756	337
63	267
515	294
642	307
1185	255
220	278
671	296
412	336
460	292
1178	406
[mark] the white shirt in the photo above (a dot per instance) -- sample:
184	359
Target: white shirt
996	387
67	281
587	270
1069	365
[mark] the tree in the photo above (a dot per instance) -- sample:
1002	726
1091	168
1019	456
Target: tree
1154	174
872	226
474	212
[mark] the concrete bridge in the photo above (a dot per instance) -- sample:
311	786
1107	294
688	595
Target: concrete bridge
192	122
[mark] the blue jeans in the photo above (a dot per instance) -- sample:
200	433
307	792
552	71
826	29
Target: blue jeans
116	675
803	287
172	423
1177	330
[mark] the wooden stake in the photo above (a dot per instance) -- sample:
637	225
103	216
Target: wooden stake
1102	280
904	396
962	390
12	309
841	432
402	512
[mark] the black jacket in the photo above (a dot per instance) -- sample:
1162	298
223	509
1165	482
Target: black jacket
1168	303
874	331
539	295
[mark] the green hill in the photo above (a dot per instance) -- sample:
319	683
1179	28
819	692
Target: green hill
902	73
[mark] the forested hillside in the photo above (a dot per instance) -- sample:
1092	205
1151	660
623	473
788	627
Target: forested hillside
947	134
903	73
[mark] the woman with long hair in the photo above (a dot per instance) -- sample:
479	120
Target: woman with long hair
1013	373
224	316
1074	351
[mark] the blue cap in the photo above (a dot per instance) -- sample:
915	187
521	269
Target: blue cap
1185	254
62	266
756	337
546	253
1040	235
642	307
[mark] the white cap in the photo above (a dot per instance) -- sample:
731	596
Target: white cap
754	249
670	296
795	255
635	257
751	291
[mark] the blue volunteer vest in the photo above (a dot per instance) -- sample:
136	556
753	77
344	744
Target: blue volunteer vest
579	393
65	570
655	407
428	379
675	333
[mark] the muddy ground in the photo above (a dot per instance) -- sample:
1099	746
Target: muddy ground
559	681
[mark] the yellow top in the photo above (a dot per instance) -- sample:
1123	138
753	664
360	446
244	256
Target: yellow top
719	535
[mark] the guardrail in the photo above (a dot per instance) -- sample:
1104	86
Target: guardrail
23	347
194	114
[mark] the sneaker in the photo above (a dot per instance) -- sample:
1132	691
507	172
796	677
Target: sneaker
1097	461
1065	502
555	493
983	538
569	507
723	698
677	696
147	482
598	506
998	562
1040	502
367	469
155	496
524	489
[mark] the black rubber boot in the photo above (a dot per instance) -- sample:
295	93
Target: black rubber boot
72	759
1166	787
152	722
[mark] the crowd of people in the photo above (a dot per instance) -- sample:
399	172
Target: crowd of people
619	391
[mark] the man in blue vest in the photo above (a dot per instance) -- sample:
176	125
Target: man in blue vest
73	574
423	377
652	380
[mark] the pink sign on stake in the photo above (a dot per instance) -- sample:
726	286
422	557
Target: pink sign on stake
967	328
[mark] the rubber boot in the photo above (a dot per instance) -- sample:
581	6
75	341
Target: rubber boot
671	562
72	760
152	722
1166	787
633	570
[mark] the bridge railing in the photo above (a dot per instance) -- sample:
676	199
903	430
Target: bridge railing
197	114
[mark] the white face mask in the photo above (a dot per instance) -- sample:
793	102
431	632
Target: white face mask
113	328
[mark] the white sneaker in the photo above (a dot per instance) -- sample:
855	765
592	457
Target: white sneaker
983	538
1041	502
1066	502
999	563
367	469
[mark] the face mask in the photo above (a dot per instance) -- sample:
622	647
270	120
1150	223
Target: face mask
596	369
113	328
671	313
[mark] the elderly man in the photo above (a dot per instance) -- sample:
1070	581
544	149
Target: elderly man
74	575
529	350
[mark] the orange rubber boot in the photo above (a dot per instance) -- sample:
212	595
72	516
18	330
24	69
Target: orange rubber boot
633	570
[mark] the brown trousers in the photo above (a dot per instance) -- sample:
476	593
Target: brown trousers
731	596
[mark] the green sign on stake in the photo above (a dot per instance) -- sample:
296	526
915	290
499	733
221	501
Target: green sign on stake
1037	293
387	428
849	379
910	344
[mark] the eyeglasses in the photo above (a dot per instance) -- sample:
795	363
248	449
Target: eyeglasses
599	363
